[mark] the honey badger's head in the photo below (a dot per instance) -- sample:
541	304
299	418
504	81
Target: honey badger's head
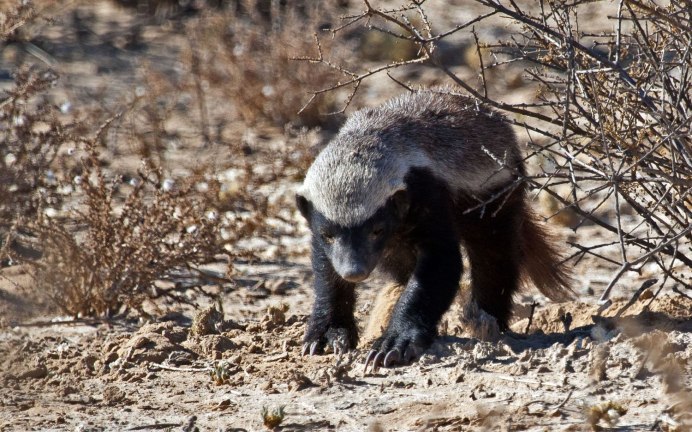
354	198
355	250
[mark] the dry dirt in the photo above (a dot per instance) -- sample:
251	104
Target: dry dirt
574	369
220	373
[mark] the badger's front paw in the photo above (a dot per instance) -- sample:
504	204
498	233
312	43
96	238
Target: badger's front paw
400	344
338	339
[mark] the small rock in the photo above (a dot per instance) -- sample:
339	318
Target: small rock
230	325
223	405
112	395
67	390
206	322
526	355
299	381
210	344
519	368
175	335
34	373
255	349
89	361
146	346
109	358
178	358
275	317
646	295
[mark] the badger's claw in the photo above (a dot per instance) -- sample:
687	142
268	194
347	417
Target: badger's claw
339	340
309	348
374	360
394	349
392	357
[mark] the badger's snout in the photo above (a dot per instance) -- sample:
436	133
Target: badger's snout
355	274
350	263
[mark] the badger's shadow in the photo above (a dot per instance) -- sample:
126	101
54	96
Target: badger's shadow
603	328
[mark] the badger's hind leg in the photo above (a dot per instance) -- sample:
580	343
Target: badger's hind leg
491	238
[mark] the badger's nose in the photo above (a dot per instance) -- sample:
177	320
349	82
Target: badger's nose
349	263
353	271
356	274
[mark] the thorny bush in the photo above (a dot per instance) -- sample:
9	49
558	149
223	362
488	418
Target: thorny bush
610	128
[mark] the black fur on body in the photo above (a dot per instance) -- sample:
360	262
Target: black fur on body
413	232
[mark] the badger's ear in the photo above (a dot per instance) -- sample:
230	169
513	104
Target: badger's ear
401	203
303	205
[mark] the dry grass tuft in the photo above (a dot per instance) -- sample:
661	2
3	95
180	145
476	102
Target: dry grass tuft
14	17
113	264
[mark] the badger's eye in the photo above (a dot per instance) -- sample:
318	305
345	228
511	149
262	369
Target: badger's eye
328	237
377	231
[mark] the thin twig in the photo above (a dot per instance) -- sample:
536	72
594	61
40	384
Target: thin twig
484	83
565	400
528	325
647	284
179	369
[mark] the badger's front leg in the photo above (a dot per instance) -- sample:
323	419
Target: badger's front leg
428	294
331	321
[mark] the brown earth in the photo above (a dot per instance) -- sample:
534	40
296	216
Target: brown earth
123	376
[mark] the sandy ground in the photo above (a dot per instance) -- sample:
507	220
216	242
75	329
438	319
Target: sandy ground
127	376
573	368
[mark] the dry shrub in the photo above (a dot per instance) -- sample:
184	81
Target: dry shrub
94	244
247	58
30	137
106	233
14	16
618	124
257	196
113	263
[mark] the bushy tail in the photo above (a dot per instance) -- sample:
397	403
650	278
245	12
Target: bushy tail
540	261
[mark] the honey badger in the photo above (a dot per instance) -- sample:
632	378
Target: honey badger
400	188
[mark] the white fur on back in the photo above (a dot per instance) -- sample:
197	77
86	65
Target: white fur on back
368	161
